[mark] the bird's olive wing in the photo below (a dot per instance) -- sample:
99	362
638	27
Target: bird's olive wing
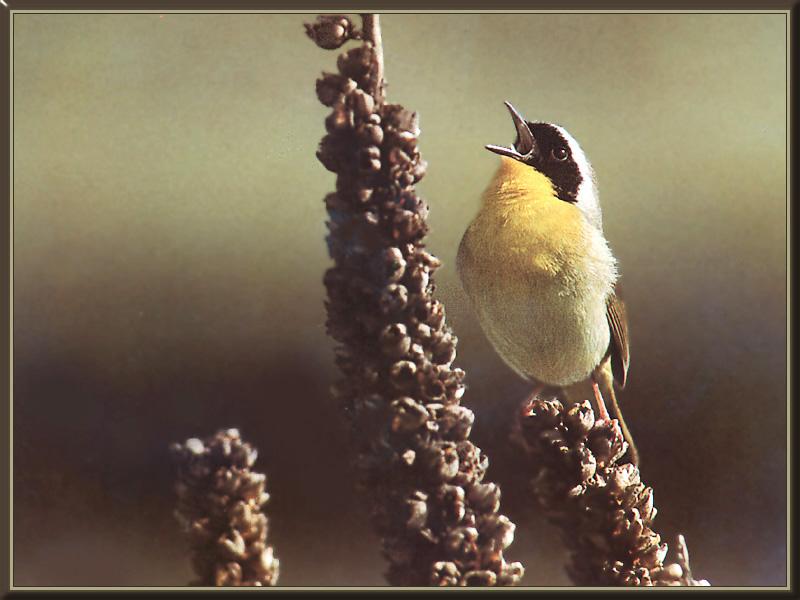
618	348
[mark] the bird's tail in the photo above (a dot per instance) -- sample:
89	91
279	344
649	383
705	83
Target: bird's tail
605	381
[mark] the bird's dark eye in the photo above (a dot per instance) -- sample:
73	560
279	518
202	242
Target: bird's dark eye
560	153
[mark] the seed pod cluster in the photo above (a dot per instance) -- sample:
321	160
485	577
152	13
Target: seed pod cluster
220	508
331	31
602	507
440	524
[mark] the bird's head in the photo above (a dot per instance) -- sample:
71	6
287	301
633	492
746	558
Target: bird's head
551	151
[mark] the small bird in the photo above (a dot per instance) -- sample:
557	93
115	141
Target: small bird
539	271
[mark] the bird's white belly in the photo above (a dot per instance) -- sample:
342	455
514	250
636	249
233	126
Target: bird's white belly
545	331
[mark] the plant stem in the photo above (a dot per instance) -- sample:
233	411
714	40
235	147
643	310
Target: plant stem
372	34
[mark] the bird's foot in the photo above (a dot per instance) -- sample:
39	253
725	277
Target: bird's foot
529	399
535	393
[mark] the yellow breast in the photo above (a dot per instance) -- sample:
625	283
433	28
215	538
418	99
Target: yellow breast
524	220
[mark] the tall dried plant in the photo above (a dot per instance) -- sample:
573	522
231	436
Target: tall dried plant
604	510
439	521
220	508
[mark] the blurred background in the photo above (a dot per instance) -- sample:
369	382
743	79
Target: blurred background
168	257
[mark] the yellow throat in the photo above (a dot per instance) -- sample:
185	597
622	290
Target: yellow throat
522	213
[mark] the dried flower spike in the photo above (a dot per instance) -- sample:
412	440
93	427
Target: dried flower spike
438	521
601	505
220	508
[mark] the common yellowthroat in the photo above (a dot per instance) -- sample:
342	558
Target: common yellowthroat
540	274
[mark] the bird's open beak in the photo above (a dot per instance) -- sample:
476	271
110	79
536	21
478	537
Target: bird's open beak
525	146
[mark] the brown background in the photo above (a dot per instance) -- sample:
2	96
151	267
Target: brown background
168	255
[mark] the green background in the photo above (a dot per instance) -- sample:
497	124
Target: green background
168	256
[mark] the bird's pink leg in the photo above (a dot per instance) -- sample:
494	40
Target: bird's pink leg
601	405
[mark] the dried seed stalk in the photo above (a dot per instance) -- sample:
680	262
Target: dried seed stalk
439	522
603	509
220	508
